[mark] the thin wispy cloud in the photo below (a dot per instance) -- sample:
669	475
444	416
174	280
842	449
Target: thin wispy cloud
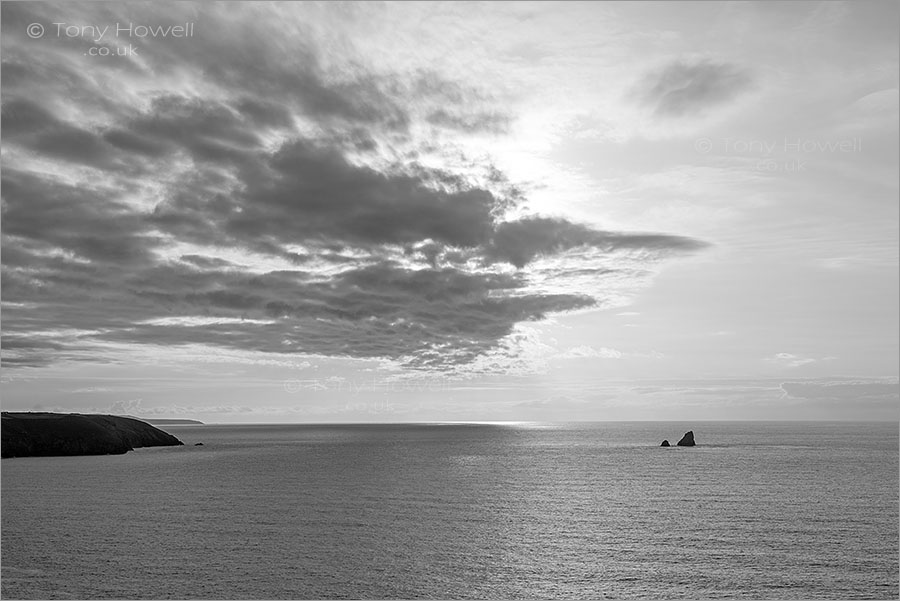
790	360
689	88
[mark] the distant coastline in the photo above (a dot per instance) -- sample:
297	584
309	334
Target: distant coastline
171	422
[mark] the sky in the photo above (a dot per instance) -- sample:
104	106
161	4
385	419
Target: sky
500	211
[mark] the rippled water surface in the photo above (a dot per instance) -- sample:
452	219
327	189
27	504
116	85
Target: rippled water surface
756	510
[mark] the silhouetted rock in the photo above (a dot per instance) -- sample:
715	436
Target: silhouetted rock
51	434
687	440
198	444
665	443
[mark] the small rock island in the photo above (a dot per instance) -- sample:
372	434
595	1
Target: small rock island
59	434
686	441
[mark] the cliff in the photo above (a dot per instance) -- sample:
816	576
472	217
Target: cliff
48	434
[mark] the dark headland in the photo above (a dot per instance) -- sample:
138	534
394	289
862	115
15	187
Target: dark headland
54	434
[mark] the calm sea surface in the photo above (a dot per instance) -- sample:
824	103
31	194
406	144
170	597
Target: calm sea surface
756	510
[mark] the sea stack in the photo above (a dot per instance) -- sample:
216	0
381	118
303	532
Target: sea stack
687	440
665	443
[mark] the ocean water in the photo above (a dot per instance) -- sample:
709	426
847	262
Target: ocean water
560	511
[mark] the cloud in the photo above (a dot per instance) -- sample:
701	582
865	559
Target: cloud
129	407
239	192
888	389
90	223
688	88
520	241
424	316
32	126
589	352
321	195
850	397
789	360
491	122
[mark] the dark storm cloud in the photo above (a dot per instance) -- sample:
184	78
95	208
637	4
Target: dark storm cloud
310	193
34	127
88	223
135	143
97	237
238	54
193	122
329	197
686	88
520	242
424	317
264	112
277	75
437	316
389	311
272	74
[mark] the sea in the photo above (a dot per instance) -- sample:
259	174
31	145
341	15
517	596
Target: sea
757	510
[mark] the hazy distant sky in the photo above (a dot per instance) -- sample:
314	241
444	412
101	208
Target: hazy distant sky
451	211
